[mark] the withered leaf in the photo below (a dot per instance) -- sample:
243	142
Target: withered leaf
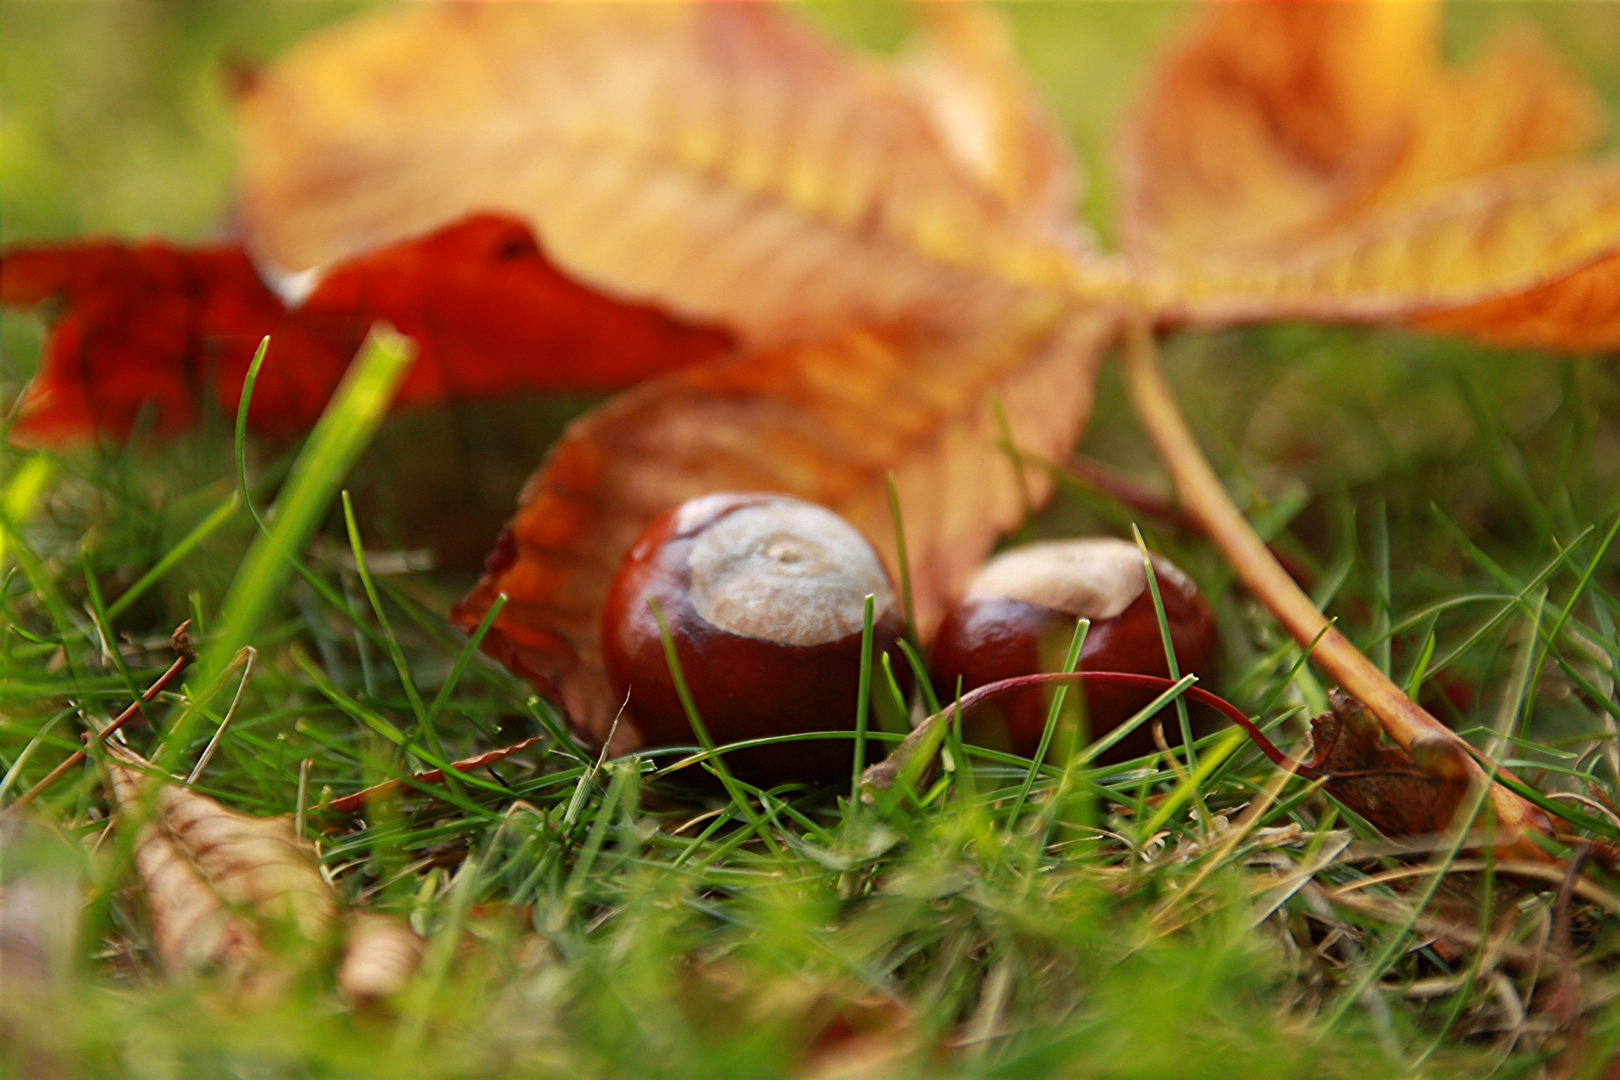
380	955
1321	161
157	326
240	896
1401	792
215	880
348	804
42	879
831	1029
723	160
824	422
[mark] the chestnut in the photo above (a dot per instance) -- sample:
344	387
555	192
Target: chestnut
765	599
1018	616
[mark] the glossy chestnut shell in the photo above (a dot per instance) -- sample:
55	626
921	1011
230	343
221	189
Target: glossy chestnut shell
764	596
1017	618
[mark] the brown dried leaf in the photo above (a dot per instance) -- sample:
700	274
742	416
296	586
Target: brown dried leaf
216	881
41	894
723	160
1400	792
350	803
824	422
380	955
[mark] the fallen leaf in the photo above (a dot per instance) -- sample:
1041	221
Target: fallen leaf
170	328
215	881
1320	161
722	160
829	1029
964	71
1272	123
823	422
40	896
243	897
1401	792
380	955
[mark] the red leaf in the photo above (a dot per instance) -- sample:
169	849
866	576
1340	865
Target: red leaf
174	327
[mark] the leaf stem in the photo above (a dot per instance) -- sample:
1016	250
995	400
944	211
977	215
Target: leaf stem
1208	504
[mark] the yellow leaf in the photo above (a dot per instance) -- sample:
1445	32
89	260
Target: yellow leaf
1514	256
720	159
965	73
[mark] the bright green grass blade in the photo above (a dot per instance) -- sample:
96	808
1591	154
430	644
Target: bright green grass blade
1071	662
1188	788
194	539
344	429
862	702
1169	647
22	494
901	556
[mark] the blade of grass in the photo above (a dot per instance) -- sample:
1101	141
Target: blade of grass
863	701
901	556
1071	661
194	539
342	432
1169	644
722	770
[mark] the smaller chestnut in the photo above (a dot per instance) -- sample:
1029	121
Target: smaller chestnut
765	599
1018	616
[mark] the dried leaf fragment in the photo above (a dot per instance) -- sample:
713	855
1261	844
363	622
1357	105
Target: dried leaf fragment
1407	792
348	804
215	881
380	955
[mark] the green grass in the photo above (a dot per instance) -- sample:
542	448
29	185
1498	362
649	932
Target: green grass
589	916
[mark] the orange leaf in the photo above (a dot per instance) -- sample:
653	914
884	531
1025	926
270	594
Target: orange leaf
824	422
153	325
721	160
1319	161
1273	123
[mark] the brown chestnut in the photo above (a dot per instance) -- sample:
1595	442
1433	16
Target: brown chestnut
1019	613
765	599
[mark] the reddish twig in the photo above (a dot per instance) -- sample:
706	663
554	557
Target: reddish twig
181	643
1148	682
350	804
